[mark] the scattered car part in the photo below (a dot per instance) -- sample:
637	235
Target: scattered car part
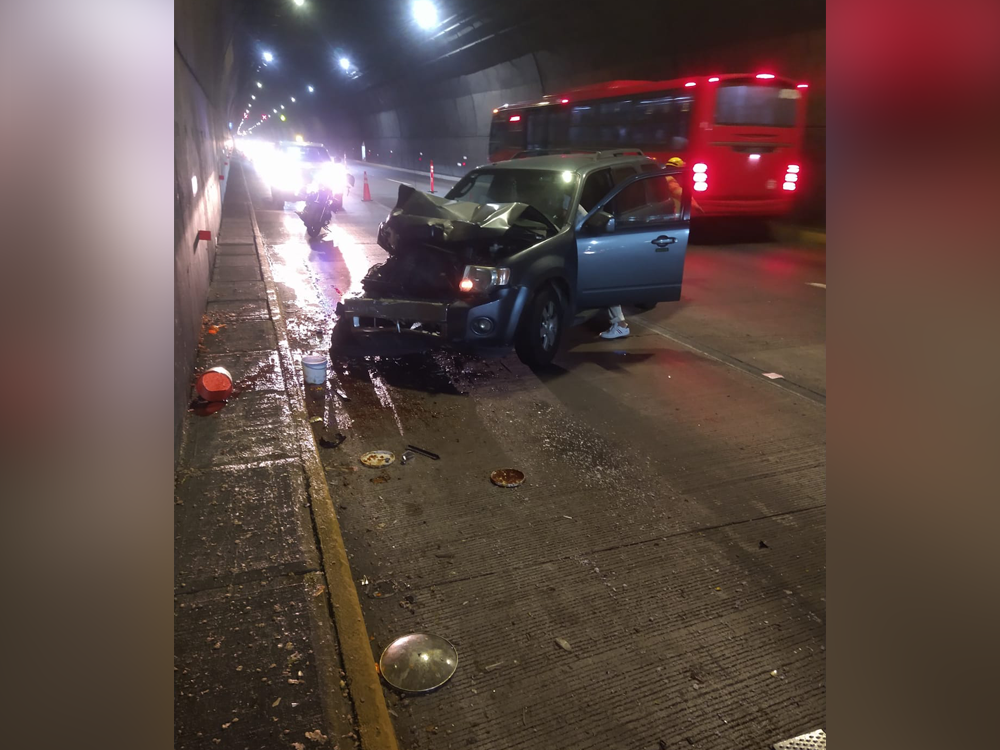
418	662
407	455
423	452
507	478
377	459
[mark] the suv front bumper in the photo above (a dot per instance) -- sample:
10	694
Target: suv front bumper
478	323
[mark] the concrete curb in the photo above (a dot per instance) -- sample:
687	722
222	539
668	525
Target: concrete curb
375	726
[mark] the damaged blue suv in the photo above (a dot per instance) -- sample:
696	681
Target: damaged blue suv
519	250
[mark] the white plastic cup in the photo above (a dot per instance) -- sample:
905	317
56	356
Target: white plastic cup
314	367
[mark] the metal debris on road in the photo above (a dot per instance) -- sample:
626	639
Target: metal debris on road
407	455
507	478
563	644
343	395
423	452
418	662
762	545
377	459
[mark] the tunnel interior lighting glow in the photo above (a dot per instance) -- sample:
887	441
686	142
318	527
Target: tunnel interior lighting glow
765	75
310	89
282	118
268	57
260	85
253	96
689	84
345	63
425	13
292	98
282	106
275	111
713	79
299	139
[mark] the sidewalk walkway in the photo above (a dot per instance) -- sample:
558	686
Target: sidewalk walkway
260	567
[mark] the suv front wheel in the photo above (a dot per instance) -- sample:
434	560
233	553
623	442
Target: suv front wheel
541	328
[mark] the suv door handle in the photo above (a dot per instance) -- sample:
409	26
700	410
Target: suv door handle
663	241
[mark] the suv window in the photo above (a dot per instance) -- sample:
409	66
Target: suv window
596	187
649	201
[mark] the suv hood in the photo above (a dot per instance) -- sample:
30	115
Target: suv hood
478	232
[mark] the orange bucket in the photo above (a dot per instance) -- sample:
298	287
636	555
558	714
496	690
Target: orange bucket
215	384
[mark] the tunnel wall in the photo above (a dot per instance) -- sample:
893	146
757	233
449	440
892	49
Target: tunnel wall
204	89
449	121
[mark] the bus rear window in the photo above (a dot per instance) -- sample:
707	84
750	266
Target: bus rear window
754	104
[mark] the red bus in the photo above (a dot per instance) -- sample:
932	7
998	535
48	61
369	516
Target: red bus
741	134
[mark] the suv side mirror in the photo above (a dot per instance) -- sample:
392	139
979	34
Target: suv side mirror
601	222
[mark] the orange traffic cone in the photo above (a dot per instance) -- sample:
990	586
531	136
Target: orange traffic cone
367	195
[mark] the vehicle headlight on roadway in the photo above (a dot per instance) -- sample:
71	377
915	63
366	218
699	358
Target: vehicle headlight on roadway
482	279
334	176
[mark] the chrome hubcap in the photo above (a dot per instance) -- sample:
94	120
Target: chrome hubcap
549	325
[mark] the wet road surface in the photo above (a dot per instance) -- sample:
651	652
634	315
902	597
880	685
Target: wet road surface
671	528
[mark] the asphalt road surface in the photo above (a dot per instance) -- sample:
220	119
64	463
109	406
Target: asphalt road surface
671	529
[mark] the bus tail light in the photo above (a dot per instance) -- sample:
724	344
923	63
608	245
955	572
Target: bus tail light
700	177
791	177
515	118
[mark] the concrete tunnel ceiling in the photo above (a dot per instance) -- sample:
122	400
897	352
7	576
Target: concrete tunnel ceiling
388	50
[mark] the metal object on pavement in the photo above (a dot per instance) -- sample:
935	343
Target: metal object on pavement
418	662
815	740
407	455
377	459
507	478
423	452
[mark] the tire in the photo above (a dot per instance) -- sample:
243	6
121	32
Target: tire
646	305
313	230
540	332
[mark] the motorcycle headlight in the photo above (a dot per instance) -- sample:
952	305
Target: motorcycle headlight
482	279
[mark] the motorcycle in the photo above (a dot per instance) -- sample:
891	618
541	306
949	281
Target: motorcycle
324	197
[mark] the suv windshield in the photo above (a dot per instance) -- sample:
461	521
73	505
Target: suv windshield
309	154
549	192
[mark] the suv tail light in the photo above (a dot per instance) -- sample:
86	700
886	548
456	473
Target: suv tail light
700	177
791	177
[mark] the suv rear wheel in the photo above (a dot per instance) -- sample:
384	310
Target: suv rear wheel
541	328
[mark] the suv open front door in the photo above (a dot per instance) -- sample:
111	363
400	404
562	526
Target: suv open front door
631	246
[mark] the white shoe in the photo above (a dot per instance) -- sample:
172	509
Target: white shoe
617	331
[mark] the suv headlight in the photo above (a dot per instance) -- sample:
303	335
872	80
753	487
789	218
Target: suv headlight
482	279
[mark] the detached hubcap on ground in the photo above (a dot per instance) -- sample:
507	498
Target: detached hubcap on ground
550	325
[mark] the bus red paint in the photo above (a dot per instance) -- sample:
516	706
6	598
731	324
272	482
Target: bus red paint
746	127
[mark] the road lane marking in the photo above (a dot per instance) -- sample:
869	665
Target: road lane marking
410	184
816	284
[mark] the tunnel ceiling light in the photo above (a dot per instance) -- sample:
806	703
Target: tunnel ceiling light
282	106
253	96
310	89
275	111
260	85
425	13
345	63
268	57
282	118
292	98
